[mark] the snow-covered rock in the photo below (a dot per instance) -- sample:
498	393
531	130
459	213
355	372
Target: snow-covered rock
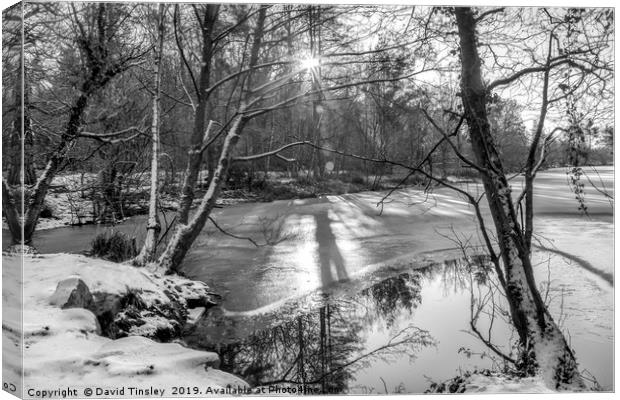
158	320
72	293
64	347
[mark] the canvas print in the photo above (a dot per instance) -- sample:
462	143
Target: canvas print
205	199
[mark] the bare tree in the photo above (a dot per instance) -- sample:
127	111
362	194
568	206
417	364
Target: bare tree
542	341
153	227
188	230
97	42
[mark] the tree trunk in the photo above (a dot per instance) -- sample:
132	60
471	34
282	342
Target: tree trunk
99	72
318	161
195	154
21	139
153	227
11	211
543	343
187	231
35	200
185	234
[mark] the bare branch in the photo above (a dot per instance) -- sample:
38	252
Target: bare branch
103	136
272	153
251	113
487	13
446	137
225	232
180	47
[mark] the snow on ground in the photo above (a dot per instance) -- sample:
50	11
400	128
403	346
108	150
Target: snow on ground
71	209
63	347
498	383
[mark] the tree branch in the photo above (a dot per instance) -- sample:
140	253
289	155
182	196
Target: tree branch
271	153
222	230
445	135
487	13
101	136
180	47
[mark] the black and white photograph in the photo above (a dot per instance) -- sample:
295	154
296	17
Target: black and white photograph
205	199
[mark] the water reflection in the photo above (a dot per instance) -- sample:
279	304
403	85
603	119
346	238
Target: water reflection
323	347
392	336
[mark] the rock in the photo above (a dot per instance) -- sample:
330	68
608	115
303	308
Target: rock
72	293
146	323
158	321
194	315
195	293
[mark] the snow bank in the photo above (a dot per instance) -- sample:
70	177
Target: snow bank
486	381
498	383
63	347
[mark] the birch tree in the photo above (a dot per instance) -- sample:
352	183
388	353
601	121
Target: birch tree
153	226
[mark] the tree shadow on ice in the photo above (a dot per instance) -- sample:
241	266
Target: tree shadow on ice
330	259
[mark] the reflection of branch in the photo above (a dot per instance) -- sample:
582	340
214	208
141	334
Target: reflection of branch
474	314
419	335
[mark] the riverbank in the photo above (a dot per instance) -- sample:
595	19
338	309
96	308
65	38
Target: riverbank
69	201
65	347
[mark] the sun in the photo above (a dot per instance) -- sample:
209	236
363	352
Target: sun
310	63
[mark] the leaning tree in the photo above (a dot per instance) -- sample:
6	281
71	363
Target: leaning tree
93	48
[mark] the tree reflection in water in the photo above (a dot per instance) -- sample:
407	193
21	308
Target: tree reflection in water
324	348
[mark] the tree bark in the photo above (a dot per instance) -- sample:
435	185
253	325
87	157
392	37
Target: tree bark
20	158
11	211
195	154
188	230
100	70
35	201
153	227
186	233
544	345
